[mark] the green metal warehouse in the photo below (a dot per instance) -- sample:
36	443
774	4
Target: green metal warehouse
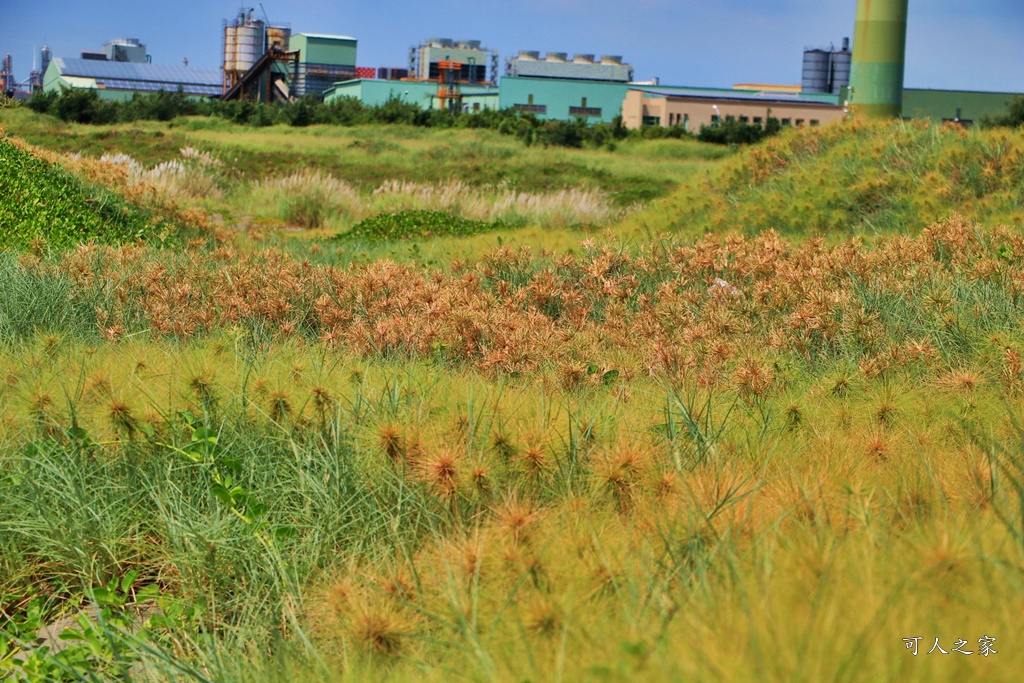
965	106
122	80
563	98
374	93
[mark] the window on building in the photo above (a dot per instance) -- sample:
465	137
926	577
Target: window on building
744	119
531	108
787	122
584	111
715	118
583	102
529	99
758	120
476	106
799	122
652	121
815	122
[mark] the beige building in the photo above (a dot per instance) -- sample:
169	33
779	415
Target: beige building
693	108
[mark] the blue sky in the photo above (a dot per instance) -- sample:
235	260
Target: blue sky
961	44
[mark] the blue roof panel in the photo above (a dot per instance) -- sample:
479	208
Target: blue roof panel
133	71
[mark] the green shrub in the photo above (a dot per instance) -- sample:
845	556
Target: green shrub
417	224
1013	118
733	132
44	202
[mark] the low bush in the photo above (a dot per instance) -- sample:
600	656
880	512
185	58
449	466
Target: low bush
417	224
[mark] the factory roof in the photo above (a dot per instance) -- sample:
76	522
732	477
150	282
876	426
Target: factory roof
743	95
325	35
137	76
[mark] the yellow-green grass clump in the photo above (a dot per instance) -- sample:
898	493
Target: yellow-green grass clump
857	177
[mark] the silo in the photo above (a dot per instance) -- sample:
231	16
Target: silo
244	41
879	53
250	44
230	52
817	70
840	71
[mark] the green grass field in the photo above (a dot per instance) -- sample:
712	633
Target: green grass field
664	413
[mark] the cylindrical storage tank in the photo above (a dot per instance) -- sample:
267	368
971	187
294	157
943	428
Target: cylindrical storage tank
557	56
230	53
611	59
529	54
474	44
840	71
583	59
816	71
248	44
278	36
879	54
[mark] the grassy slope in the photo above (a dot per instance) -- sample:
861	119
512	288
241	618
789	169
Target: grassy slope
857	178
776	486
44	202
369	155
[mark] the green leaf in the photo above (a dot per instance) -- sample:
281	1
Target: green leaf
128	580
221	492
610	376
232	464
204	434
72	634
147	593
255	509
78	434
102	596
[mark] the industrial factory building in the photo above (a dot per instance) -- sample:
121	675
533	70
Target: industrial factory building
442	74
581	67
449	74
964	107
264	61
376	92
10	87
123	68
323	61
563	98
692	108
474	60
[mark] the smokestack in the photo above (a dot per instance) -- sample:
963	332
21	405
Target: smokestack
879	54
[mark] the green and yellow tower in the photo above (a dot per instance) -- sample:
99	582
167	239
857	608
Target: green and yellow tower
879	52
